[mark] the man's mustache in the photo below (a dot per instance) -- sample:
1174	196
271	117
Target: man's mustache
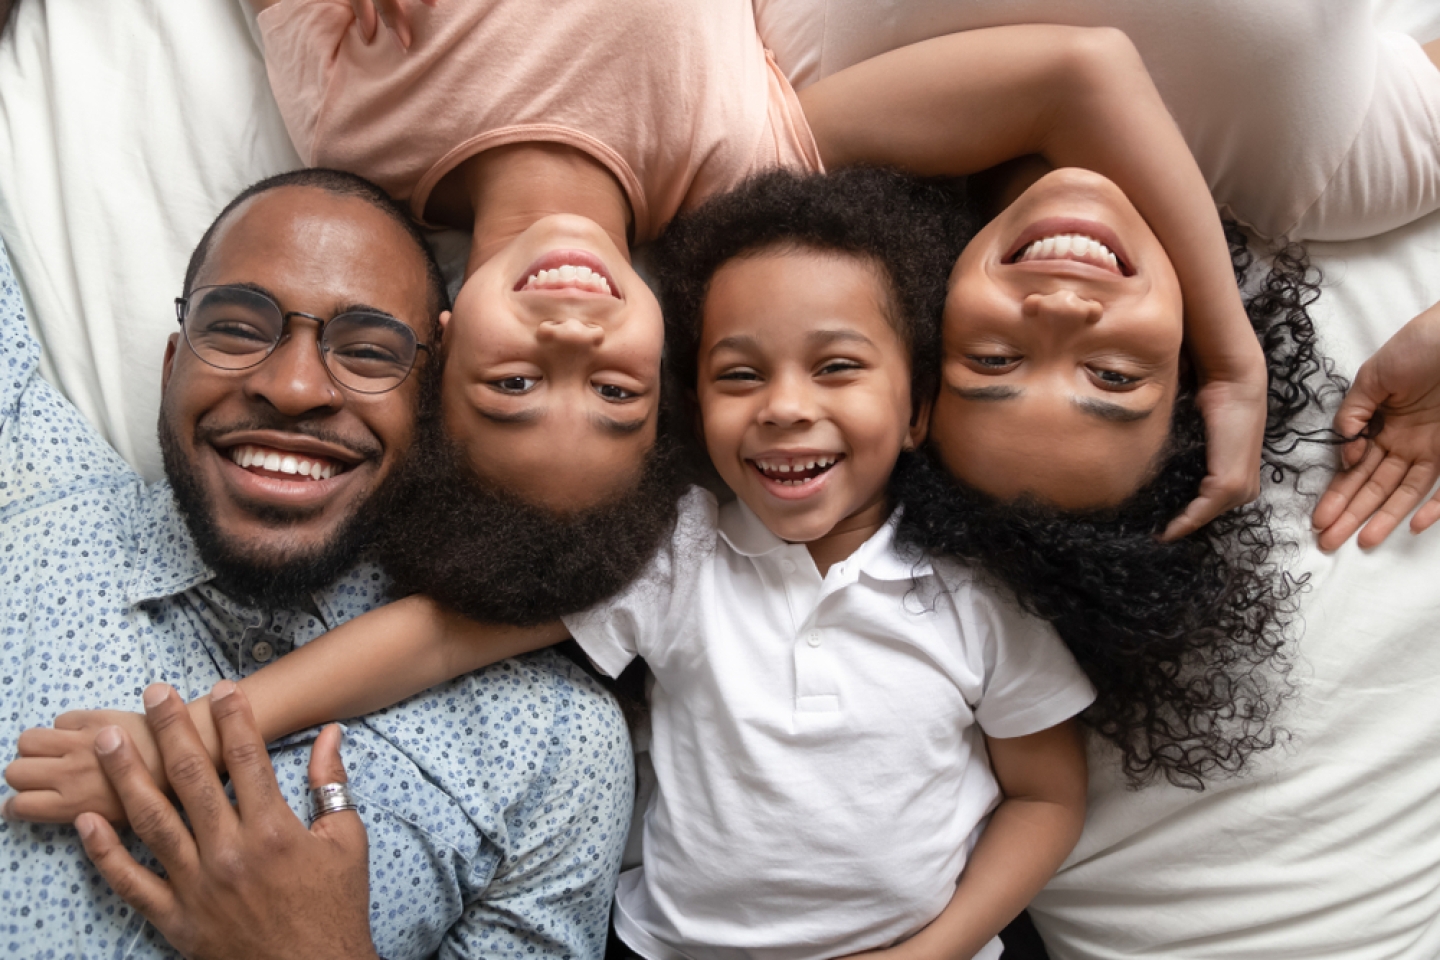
364	447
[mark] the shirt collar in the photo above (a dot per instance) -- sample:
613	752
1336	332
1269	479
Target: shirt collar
877	558
880	558
742	529
168	563
167	560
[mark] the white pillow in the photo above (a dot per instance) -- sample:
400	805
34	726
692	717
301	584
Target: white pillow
124	127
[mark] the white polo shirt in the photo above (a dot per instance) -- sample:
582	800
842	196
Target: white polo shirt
821	774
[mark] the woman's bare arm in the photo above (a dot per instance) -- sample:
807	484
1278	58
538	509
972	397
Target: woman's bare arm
1080	97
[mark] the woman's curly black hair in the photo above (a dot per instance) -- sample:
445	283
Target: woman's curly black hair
907	227
1185	642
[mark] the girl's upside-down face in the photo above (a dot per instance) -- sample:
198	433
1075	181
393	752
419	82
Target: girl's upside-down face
552	369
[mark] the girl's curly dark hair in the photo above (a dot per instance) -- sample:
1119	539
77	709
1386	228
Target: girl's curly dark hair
1185	642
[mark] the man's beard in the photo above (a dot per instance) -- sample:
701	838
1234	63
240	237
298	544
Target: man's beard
269	577
495	558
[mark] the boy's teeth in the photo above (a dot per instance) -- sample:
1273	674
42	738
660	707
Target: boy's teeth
275	461
774	469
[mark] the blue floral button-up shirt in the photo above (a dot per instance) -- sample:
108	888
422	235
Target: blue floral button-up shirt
497	804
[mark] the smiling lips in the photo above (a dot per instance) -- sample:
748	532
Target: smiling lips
569	270
795	471
568	276
281	464
1071	246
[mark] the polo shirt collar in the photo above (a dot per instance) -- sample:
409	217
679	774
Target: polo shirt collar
877	557
746	534
880	559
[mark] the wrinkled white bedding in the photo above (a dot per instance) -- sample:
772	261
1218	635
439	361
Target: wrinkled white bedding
124	126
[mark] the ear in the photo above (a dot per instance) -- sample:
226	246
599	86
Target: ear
171	346
919	426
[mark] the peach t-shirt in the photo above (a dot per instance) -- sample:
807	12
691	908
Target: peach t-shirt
677	98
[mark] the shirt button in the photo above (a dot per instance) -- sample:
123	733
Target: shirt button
788	566
262	652
813	639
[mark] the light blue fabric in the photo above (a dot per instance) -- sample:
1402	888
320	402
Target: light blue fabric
496	805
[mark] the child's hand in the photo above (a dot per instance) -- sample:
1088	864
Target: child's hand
1234	404
394	14
58	776
1396	396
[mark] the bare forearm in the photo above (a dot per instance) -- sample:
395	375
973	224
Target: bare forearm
378	660
1078	97
1023	846
1029	835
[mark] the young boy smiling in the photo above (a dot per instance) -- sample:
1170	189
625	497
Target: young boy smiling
854	750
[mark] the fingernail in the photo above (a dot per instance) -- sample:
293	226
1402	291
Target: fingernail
222	690
5	809
155	695
84	826
107	740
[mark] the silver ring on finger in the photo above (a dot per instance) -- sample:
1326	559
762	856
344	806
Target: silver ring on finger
330	798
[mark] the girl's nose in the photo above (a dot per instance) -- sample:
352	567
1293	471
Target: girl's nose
571	332
1063	306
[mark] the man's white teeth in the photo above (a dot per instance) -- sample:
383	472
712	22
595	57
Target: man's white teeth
1071	246
568	276
277	462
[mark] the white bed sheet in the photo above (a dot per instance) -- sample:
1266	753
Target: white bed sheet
125	125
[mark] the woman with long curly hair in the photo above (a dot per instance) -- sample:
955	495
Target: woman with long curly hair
1185	640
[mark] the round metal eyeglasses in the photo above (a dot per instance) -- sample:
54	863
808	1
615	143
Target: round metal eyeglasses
235	327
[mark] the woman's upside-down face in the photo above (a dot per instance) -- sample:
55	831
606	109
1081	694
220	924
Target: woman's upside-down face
1062	336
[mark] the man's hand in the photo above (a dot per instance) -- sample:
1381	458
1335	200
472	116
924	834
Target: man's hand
58	776
1396	401
252	882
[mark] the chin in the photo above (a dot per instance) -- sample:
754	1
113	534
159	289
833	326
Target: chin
259	557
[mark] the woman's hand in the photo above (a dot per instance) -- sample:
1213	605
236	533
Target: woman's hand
58	776
395	14
1234	406
1395	401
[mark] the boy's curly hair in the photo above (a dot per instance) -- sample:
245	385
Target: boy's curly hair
1185	642
907	227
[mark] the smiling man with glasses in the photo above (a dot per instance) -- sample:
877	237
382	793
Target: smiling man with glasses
308	315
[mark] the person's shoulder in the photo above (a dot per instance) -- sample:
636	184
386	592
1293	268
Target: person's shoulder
561	737
697	517
556	695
